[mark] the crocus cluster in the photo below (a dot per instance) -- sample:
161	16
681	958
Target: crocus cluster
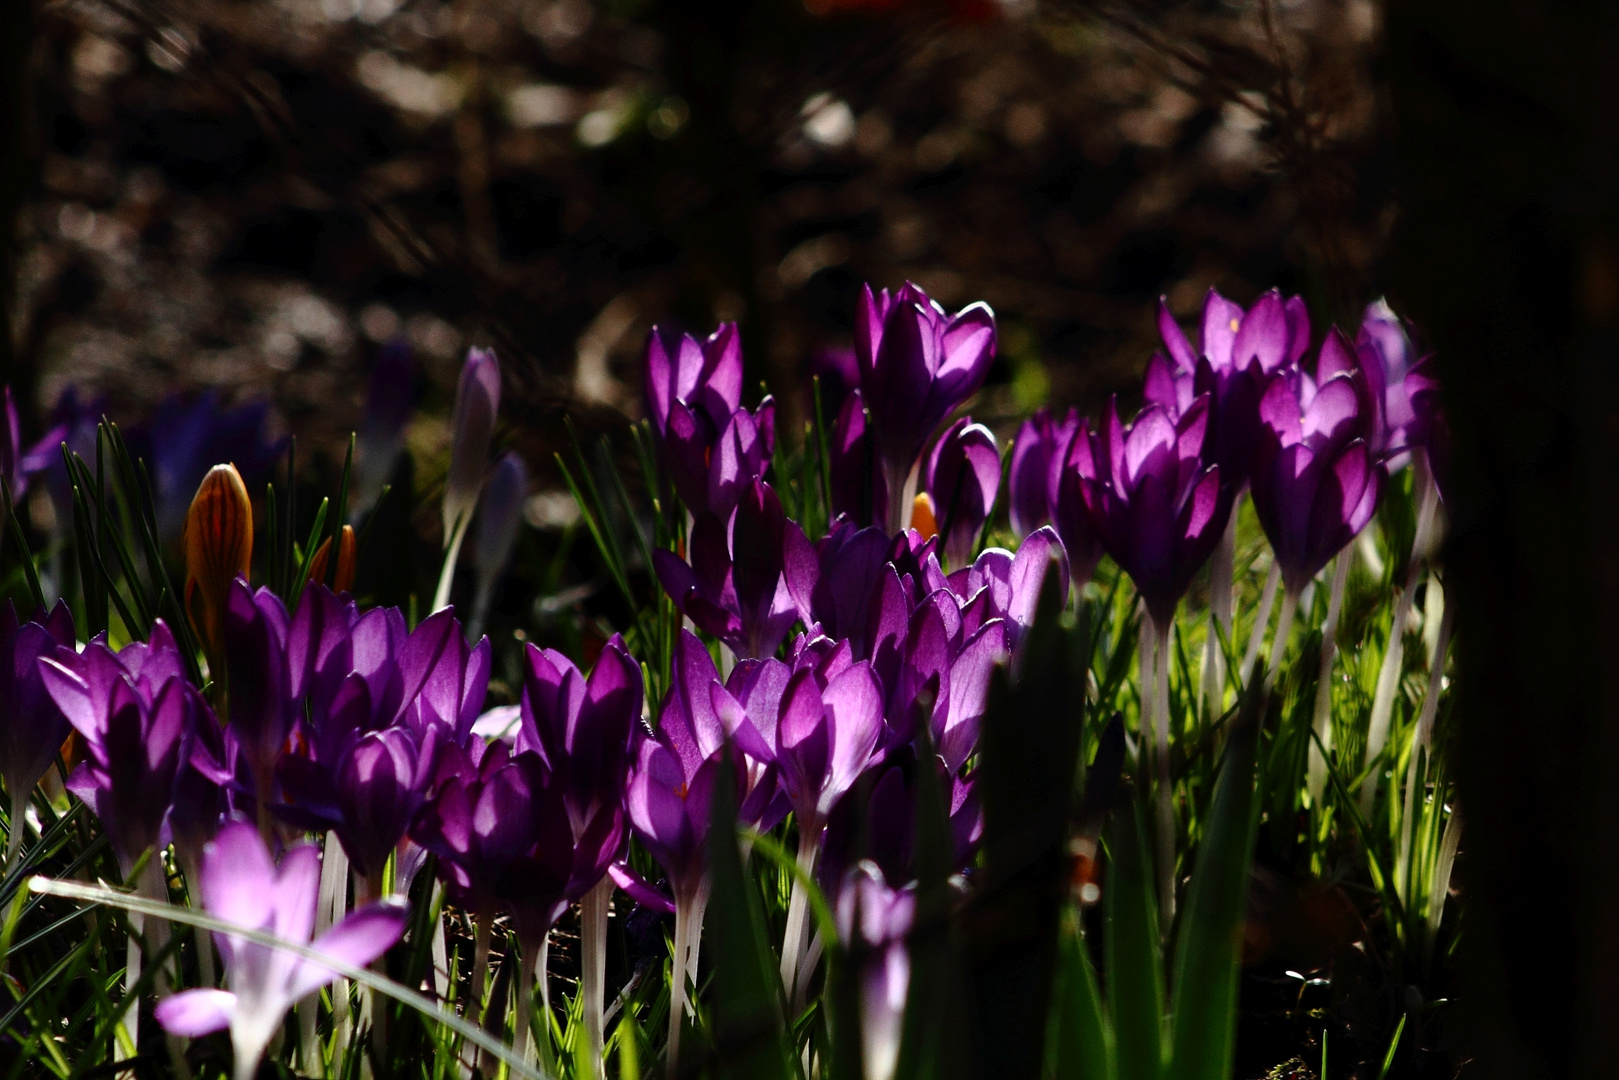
833	668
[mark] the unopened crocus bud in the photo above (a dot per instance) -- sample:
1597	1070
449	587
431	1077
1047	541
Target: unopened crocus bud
963	476
502	515
477	399
218	546
343	573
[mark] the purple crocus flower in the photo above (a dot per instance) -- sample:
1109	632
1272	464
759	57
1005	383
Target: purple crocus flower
1315	481
874	919
859	484
1240	350
261	704
584	729
1430	427
241	885
917	364
32	726
1155	505
1001	585
477	401
445	679
700	380
714	448
136	713
1386	357
1037	456
742	580
963	477
850	562
368	795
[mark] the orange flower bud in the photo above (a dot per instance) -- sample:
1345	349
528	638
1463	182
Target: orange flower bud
218	546
344	580
922	516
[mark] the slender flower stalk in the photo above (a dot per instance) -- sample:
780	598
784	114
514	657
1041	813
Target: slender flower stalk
501	518
1388	675
1321	721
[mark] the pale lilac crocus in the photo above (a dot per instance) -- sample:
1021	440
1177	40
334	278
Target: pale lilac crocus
241	885
477	401
874	919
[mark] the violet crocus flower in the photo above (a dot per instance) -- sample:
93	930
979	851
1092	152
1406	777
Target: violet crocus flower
1037	456
917	364
688	378
1387	358
241	885
584	729
261	707
742	580
850	561
445	679
136	713
963	477
1155	504
477	400
714	449
32	726
859	484
874	919
1315	481
1240	350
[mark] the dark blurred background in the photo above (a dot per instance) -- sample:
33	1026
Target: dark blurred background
255	194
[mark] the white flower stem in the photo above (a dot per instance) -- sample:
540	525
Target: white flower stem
1156	642
1388	676
792	941
1321	722
475	1006
593	975
530	969
1421	737
1284	630
683	968
1256	639
334	887
149	885
446	574
1221	570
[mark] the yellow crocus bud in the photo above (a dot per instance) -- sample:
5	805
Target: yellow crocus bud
343	581
923	519
218	546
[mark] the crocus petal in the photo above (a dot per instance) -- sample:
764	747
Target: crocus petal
192	1014
360	938
477	400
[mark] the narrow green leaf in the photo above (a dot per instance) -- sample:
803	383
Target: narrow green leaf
749	1039
1080	1040
1133	958
1208	947
30	572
